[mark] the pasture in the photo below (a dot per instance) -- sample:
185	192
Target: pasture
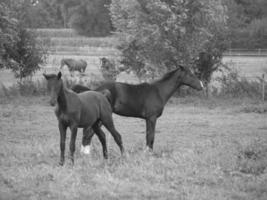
204	149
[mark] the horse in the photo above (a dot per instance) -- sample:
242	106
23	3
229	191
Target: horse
85	110
74	65
108	69
147	100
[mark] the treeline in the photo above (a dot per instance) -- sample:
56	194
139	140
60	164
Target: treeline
247	20
88	17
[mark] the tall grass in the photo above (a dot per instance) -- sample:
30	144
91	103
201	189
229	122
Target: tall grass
25	88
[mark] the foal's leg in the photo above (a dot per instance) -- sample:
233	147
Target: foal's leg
62	130
150	132
102	137
72	142
86	140
108	123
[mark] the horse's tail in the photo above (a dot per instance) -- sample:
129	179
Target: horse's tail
107	94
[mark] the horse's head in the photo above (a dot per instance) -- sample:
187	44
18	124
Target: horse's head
190	79
103	60
54	85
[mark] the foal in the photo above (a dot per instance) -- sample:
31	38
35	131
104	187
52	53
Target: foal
83	110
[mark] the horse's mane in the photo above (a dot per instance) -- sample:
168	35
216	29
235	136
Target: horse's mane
167	75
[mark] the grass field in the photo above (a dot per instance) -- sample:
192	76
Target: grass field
204	149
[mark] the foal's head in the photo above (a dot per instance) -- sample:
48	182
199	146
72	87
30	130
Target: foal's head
54	85
190	79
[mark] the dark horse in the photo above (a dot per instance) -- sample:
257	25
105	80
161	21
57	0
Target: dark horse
146	100
83	110
74	65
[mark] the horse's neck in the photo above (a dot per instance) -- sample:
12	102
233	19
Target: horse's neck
62	100
167	86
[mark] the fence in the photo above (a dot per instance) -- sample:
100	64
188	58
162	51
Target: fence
245	52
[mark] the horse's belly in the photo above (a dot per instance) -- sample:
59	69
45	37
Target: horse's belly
128	109
88	116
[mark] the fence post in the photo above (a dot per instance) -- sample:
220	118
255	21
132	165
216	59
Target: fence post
263	87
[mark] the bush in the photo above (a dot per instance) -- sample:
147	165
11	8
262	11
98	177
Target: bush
26	54
25	88
233	85
252	159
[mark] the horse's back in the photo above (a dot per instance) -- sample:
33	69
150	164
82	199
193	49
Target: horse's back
132	100
94	99
80	88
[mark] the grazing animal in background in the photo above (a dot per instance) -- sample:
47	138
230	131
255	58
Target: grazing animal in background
147	100
85	110
74	65
108	69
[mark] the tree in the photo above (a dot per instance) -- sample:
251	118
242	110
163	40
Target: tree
247	26
88	17
26	54
91	18
160	34
8	35
36	13
19	49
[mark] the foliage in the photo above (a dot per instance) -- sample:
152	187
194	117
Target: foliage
25	88
91	18
235	86
19	49
248	23
36	14
88	17
158	35
26	55
8	34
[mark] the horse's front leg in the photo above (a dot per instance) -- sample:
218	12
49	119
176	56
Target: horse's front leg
150	132
62	130
72	142
86	140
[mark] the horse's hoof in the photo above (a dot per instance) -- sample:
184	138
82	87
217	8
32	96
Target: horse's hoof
61	163
85	149
148	151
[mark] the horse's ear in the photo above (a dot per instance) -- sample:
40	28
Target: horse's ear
59	75
45	76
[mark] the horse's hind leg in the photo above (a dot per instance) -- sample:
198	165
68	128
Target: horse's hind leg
102	137
86	140
108	123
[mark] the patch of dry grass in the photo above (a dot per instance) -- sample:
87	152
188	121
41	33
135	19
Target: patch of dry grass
200	152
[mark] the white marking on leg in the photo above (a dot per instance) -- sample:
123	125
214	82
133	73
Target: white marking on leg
86	149
148	149
201	83
82	149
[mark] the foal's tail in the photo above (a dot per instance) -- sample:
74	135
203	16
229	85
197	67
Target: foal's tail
107	94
